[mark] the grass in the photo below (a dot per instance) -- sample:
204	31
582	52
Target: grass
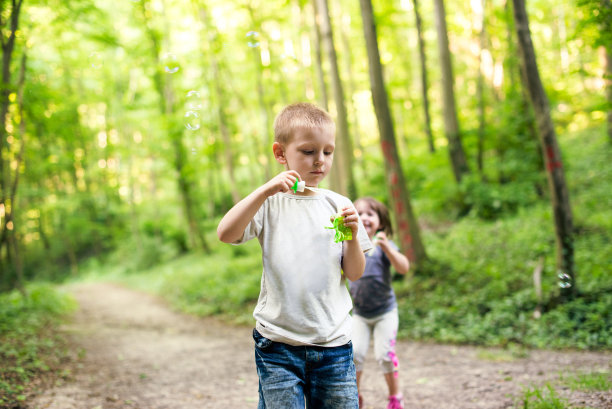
547	397
30	343
593	381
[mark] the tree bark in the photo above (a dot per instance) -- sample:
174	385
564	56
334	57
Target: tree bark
451	123
552	154
6	204
344	150
424	81
408	229
266	128
323	98
608	79
480	92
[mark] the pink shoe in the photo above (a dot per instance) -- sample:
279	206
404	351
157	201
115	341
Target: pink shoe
396	402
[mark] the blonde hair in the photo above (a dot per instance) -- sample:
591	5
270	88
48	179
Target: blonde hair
300	115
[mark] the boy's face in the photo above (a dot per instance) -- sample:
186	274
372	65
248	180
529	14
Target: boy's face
310	152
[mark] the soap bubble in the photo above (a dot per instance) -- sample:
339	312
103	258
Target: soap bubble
565	281
192	120
170	63
95	60
194	101
253	39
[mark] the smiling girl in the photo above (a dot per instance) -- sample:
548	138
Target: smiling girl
375	306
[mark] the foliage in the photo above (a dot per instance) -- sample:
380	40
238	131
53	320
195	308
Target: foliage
479	287
29	342
547	397
594	381
536	398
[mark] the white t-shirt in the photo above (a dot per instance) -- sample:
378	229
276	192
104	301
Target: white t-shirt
303	298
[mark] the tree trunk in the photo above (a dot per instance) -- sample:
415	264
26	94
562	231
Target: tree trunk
552	154
480	93
451	123
167	97
323	98
348	61
408	229
221	103
424	81
266	128
608	79
344	150
7	40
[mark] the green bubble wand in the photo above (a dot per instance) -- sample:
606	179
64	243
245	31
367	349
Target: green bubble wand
298	186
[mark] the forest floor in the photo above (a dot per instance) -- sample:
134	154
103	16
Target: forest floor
132	351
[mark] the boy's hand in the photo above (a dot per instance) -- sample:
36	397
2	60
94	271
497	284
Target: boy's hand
351	220
281	182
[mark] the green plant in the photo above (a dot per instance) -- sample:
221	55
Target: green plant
29	340
594	381
541	398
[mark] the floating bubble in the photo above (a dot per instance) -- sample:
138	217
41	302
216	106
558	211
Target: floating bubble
95	60
253	39
565	281
192	120
194	101
170	63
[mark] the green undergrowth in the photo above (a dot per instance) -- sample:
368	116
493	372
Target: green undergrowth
478	286
547	396
30	343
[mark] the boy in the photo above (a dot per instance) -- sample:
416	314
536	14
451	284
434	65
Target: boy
303	349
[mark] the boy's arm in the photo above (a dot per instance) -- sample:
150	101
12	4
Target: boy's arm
353	259
232	225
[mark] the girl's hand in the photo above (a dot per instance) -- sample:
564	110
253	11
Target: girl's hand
281	182
351	219
380	238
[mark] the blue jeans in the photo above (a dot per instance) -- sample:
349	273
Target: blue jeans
294	377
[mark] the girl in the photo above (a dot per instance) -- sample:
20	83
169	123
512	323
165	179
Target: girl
375	307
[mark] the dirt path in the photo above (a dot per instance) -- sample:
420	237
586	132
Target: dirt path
136	353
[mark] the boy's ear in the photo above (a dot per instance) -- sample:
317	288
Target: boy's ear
279	153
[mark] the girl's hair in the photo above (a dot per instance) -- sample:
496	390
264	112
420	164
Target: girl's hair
383	214
300	115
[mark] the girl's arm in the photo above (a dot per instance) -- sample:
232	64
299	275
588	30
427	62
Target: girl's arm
231	227
353	259
400	262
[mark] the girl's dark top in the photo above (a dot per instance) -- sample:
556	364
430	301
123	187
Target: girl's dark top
373	294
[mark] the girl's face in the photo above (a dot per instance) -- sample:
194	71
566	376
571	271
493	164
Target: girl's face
369	217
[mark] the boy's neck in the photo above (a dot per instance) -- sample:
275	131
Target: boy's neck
308	191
